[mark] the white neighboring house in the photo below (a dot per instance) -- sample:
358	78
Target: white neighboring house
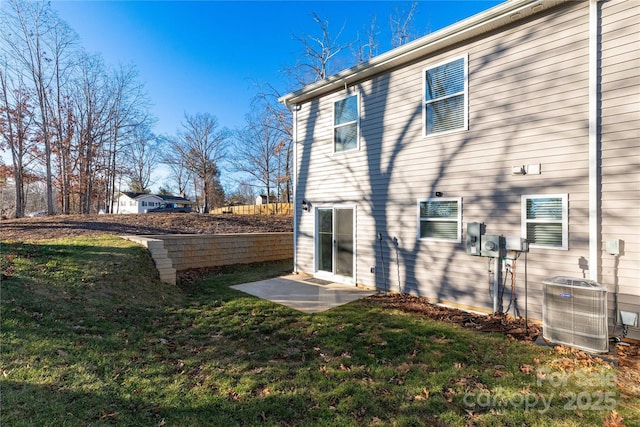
130	202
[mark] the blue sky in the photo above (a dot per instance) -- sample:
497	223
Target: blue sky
205	56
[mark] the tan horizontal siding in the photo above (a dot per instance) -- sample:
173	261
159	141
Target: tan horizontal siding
621	145
528	104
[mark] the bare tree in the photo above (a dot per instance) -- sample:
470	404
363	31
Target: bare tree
401	23
278	118
369	49
244	194
179	173
201	145
255	148
82	114
142	156
30	30
128	111
64	54
319	53
16	133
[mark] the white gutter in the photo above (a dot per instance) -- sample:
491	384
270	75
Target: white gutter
491	19
594	190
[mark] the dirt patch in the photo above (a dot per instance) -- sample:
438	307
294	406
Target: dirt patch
514	328
627	355
52	227
628	375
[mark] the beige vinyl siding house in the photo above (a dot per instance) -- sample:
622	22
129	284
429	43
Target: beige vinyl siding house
391	210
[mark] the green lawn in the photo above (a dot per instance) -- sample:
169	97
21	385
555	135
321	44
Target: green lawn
91	337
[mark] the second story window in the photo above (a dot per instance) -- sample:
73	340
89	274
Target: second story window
345	124
445	102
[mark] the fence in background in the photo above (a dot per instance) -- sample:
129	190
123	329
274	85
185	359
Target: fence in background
266	209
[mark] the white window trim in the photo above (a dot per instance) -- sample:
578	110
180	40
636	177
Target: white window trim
458	239
565	219
333	127
466	96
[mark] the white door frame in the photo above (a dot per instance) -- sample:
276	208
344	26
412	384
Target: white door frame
332	276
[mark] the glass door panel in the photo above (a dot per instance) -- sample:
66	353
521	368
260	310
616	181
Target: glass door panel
325	240
344	242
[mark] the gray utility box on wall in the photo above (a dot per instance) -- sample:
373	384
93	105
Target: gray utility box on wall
493	246
574	313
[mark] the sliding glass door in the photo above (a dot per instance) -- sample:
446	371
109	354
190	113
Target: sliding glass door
335	243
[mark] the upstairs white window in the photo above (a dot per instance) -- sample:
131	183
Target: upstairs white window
440	219
545	220
446	97
345	124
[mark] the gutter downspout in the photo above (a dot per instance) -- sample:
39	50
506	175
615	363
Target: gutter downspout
594	142
294	182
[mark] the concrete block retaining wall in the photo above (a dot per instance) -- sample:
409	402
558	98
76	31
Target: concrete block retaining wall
178	252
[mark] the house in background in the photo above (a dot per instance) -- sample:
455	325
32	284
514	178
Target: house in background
524	118
130	202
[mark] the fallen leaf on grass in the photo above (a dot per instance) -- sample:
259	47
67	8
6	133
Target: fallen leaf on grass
423	396
613	420
109	415
499	373
265	392
448	395
526	369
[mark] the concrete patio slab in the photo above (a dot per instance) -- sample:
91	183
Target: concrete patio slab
303	295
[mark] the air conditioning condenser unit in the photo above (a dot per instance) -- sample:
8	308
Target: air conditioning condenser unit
574	313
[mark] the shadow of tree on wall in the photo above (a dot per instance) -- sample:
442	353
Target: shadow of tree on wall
545	122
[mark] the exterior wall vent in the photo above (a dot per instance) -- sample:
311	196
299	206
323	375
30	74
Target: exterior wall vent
574	313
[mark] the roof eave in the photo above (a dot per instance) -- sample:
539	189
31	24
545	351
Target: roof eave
483	22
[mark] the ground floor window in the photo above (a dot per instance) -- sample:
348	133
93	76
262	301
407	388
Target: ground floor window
545	220
440	219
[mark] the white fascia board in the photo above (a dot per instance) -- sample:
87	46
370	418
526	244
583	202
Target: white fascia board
491	19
